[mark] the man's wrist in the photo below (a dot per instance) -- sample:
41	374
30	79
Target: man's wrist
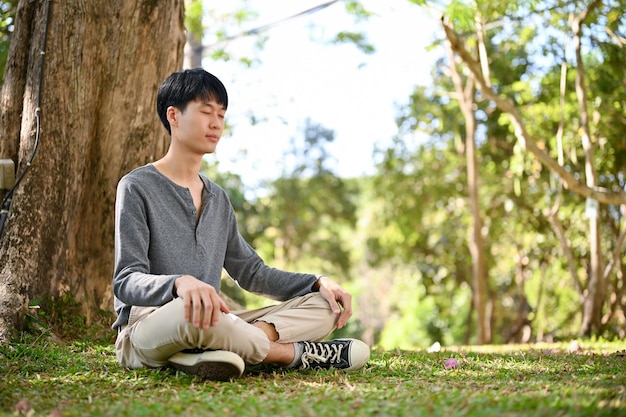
316	285
174	290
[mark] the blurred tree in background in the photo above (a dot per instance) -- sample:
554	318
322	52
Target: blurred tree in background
7	16
553	237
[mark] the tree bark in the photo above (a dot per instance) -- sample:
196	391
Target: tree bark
103	64
14	81
480	274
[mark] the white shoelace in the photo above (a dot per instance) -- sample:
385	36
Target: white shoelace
321	352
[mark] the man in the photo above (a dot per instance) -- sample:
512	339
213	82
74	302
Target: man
175	231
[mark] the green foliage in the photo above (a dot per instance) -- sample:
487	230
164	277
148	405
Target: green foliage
224	27
420	316
79	379
358	39
356	9
231	183
421	213
7	17
194	13
309	212
462	14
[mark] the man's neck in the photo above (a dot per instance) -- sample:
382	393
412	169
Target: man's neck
182	172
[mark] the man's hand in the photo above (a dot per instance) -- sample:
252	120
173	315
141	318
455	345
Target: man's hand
336	297
201	301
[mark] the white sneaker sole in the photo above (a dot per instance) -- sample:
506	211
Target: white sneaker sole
217	365
359	354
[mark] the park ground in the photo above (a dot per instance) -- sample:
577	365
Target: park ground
47	376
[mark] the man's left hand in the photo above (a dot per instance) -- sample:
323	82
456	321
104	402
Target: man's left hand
337	297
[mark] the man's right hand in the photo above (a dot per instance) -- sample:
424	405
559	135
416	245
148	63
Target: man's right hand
203	305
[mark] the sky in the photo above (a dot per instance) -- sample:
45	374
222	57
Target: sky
302	75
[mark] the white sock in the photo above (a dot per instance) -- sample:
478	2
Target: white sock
298	349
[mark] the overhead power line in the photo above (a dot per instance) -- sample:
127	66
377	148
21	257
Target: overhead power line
268	26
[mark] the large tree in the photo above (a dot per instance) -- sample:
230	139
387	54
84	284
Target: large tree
92	93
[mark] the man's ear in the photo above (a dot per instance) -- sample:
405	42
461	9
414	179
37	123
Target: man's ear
172	116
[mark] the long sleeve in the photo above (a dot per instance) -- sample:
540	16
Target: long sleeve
159	237
134	282
245	266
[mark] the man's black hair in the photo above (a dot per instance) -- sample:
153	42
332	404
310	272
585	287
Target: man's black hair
187	85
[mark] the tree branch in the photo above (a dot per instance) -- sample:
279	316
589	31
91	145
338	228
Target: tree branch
507	105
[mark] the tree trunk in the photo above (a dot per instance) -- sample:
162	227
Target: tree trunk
480	274
595	297
476	244
194	50
102	66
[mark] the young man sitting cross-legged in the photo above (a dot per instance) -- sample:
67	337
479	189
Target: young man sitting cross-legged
175	231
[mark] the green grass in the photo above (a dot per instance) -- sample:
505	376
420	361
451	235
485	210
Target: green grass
83	379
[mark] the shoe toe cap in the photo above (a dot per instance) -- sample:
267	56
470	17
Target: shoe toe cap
359	354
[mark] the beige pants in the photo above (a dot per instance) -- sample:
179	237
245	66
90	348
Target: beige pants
154	334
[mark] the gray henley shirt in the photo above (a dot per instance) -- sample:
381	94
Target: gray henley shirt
159	237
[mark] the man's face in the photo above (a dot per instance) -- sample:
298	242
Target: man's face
200	127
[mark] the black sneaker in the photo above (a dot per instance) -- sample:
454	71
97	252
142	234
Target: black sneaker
217	365
346	354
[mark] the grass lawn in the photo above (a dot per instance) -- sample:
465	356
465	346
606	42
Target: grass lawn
83	379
